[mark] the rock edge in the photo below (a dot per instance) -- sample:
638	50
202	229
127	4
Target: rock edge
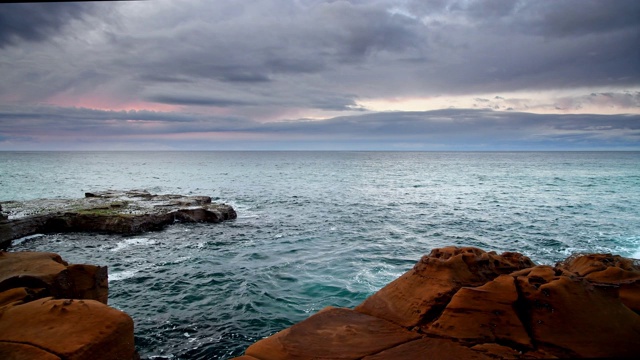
52	310
467	303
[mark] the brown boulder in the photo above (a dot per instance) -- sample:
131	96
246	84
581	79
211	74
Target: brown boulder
20	295
607	269
584	265
89	282
467	303
40	270
485	314
333	333
584	320
420	295
70	329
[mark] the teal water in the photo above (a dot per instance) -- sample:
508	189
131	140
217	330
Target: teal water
316	229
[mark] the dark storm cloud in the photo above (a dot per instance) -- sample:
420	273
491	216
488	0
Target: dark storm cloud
568	18
269	60
264	40
514	45
36	21
272	49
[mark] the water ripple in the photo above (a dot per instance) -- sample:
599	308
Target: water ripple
320	229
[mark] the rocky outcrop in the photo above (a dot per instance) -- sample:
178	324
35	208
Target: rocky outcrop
330	334
465	303
49	275
52	310
421	294
68	329
123	212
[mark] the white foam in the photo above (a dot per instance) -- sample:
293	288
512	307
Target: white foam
26	238
121	275
133	242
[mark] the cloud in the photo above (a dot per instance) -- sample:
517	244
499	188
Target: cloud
195	100
581	18
226	66
36	21
366	48
451	129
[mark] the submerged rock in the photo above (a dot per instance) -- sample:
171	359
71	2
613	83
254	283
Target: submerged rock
471	304
123	212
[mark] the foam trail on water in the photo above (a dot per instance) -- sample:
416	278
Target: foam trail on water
121	275
133	242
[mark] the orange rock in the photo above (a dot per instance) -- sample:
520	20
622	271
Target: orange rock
467	303
333	333
484	314
89	282
609	269
588	321
50	272
420	295
583	265
13	295
14	351
428	348
32	268
544	273
71	329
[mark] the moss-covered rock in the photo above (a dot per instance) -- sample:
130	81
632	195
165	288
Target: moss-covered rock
122	212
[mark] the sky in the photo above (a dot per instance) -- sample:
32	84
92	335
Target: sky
440	75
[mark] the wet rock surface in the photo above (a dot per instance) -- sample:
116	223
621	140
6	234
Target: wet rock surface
124	212
471	304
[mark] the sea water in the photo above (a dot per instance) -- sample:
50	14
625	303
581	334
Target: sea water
317	229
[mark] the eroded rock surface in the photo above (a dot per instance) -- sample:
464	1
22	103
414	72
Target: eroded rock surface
49	275
333	333
471	304
69	329
52	310
418	296
123	212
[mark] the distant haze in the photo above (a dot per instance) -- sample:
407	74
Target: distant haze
320	75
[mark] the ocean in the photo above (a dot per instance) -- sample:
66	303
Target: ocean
317	229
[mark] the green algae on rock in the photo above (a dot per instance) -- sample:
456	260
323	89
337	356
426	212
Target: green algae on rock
123	212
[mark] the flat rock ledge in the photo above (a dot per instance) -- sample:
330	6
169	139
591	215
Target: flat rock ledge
50	310
122	212
465	303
